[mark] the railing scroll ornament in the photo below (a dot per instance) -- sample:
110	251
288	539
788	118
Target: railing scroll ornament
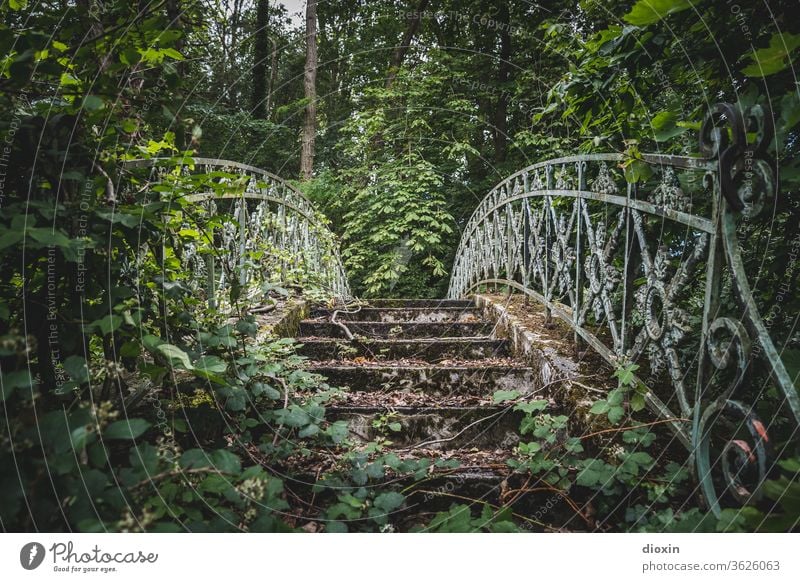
651	272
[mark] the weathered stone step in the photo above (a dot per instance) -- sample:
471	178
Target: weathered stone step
415	303
406	314
372	329
429	350
544	506
481	380
434	427
474	484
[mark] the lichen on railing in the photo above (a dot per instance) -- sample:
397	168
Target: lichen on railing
649	270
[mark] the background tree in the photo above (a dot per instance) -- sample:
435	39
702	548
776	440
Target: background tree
261	54
310	87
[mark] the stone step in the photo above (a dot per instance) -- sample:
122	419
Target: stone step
416	303
473	483
542	504
405	314
474	379
372	329
432	427
481	476
429	350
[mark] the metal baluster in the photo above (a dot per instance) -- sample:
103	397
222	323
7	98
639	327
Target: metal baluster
625	272
509	248
711	308
548	204
242	240
576	309
526	239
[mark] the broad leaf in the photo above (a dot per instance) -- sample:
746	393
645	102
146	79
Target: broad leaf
646	12
126	429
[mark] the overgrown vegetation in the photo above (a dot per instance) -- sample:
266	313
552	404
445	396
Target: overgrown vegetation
130	405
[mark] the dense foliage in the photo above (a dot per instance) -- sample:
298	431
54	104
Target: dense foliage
110	362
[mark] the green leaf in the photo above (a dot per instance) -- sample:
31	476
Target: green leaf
595	472
126	429
215	483
308	431
665	126
195	458
235	398
530	448
642	437
640	458
505	395
119	217
293	417
774	58
574	445
49	237
527	425
77	369
531	407
109	323
93	103
351	501
375	470
172	53
646	12
144	457
388	502
615	414
13	380
338	431
175	356
151	342
625	374
189	233
81	436
599	407
225	461
615	397
222	460
271	392
9	238
335	527
791	465
213	364
637	402
637	171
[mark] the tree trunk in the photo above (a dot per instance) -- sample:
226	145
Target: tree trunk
260	56
401	50
503	75
310	85
273	76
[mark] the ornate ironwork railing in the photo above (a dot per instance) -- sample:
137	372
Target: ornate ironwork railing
254	229
652	272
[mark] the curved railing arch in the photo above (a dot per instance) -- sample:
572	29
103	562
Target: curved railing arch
639	270
272	233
